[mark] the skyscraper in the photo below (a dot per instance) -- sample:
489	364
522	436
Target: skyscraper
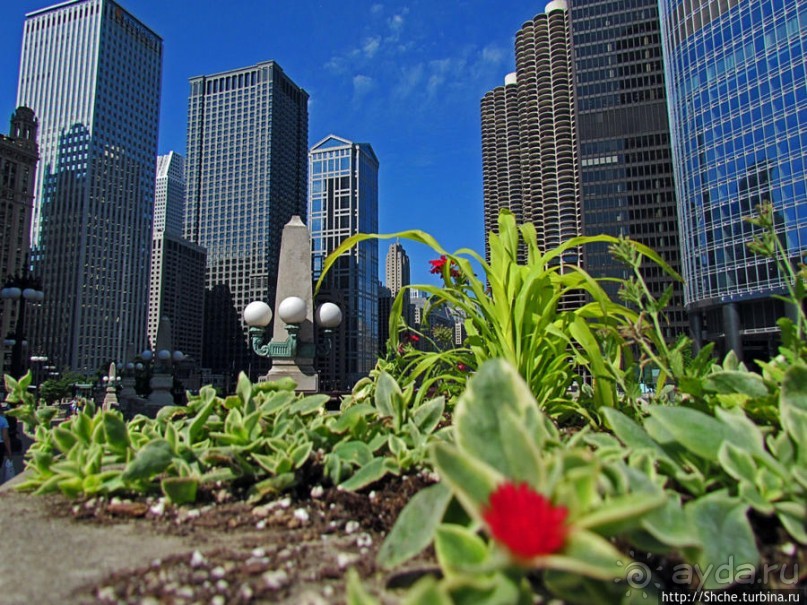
169	193
246	177
91	73
18	158
177	284
735	76
529	135
397	268
397	277
626	159
343	202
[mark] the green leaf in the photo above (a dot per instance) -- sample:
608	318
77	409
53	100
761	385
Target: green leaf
355	452
458	549
309	404
367	474
737	462
670	525
301	453
793	408
427	591
356	595
793	516
244	388
471	480
64	439
725	534
153	459
587	554
429	415
386	391
727	382
481	426
196	425
180	490
633	435
350	418
700	433
414	529
621	513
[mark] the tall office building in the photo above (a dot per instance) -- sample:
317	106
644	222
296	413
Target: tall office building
91	72
343	202
735	76
246	177
177	284
397	268
18	158
169	193
529	137
397	273
625	153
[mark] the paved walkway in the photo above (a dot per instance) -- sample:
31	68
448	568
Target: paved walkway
46	559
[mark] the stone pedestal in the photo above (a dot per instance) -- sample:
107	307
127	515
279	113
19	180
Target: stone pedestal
161	385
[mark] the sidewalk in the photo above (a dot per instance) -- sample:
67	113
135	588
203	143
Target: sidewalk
46	560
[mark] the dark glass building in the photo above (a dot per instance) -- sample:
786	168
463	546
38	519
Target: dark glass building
245	170
625	153
344	202
736	81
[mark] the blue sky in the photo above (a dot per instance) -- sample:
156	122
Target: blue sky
406	77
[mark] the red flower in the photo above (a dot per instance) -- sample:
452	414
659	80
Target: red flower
414	338
437	265
462	367
524	521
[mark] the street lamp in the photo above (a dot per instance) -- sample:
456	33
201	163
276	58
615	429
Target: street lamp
292	312
21	289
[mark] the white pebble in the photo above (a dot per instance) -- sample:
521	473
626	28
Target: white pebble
317	491
197	559
261	524
107	593
352	527
364	540
344	559
158	509
327	591
372	495
301	514
217	572
222	585
218	600
275	579
258	553
245	592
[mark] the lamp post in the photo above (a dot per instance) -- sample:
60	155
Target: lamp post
293	345
164	358
22	289
112	381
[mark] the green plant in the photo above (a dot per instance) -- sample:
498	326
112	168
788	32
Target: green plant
519	316
550	503
383	430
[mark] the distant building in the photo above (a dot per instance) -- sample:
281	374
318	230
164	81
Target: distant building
384	307
177	285
18	157
91	72
246	177
530	161
178	291
625	149
344	201
398	277
169	194
735	77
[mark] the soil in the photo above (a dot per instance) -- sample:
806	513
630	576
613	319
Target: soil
296	549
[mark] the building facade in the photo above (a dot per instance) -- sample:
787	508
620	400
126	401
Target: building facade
169	194
246	164
530	161
18	158
398	275
177	284
624	137
343	201
735	77
91	72
177	291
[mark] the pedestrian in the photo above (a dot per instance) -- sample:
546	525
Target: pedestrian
5	443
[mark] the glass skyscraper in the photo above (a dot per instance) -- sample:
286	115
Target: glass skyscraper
91	72
343	202
625	150
735	74
246	165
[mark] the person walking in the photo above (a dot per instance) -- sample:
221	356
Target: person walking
5	443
